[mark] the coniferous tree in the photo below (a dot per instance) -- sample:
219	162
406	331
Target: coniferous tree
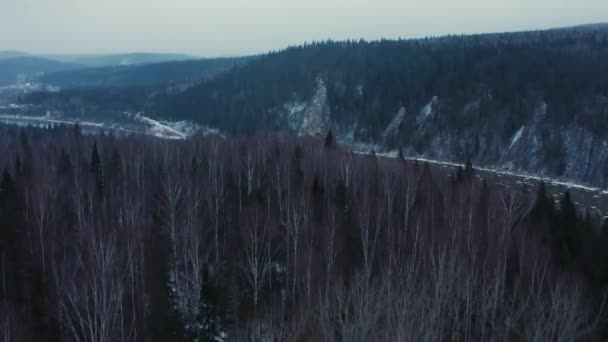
568	229
400	155
163	318
22	283
18	165
96	169
298	172
12	242
543	207
116	168
43	321
318	199
459	174
330	140
66	185
469	171
27	167
65	165
194	168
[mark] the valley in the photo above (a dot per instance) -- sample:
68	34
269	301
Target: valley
310	214
126	124
586	197
274	171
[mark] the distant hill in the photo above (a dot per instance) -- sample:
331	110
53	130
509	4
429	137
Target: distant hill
596	26
13	54
18	67
119	59
102	60
153	74
24	69
535	101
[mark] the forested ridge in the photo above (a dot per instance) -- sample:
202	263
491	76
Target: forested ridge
275	238
505	75
21	69
148	75
534	102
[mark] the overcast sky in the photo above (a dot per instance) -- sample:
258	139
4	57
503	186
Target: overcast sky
239	27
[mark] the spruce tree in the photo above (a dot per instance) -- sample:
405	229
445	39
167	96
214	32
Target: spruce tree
469	171
18	165
543	207
298	171
116	168
163	318
400	155
65	167
330	140
318	192
24	285
12	242
568	229
96	169
460	174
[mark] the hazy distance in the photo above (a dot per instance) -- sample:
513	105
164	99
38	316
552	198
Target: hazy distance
241	27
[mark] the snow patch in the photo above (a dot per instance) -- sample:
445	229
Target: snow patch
161	130
427	111
393	128
309	118
517	136
540	113
294	108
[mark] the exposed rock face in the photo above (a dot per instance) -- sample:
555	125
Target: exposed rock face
393	129
428	112
539	146
310	117
586	156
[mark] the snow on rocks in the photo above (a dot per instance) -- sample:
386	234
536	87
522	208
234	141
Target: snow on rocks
310	117
393	128
428	110
517	136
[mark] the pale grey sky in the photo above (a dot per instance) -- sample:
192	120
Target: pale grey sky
239	27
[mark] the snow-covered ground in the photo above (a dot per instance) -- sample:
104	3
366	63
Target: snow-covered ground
25	120
585	196
171	129
161	130
134	123
567	184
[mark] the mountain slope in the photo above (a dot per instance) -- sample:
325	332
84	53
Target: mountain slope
23	69
95	61
98	60
142	75
5	54
455	97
